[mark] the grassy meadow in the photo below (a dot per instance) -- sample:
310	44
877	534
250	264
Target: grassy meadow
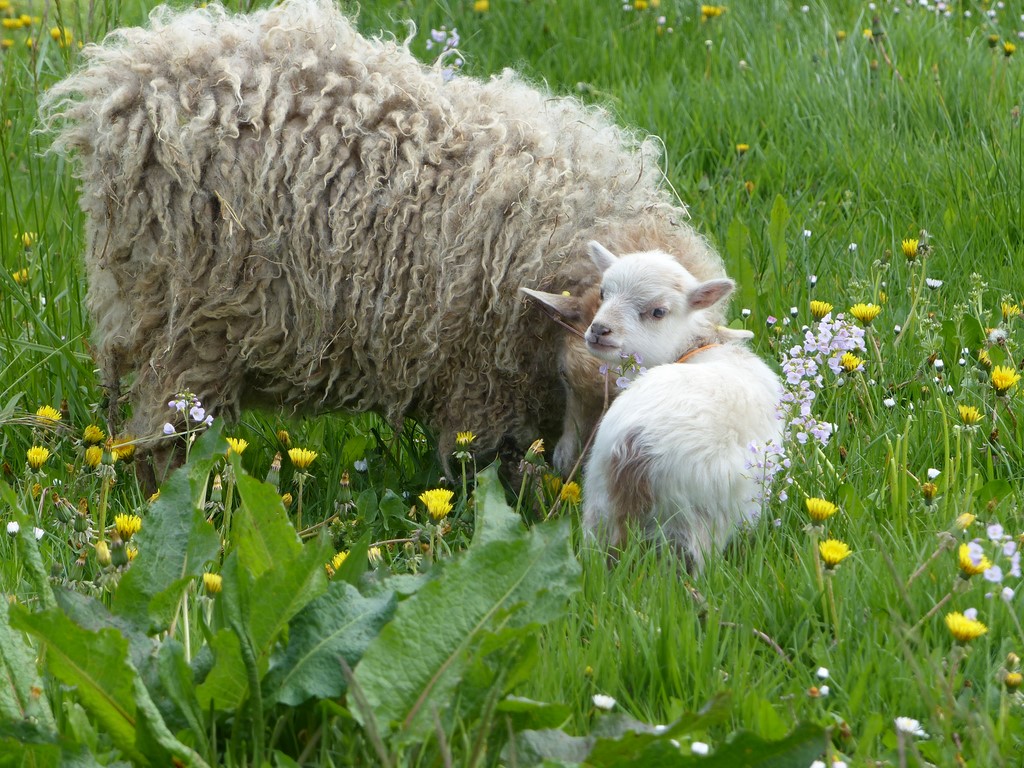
860	168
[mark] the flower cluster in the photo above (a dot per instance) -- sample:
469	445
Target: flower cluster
630	367
824	346
446	41
192	410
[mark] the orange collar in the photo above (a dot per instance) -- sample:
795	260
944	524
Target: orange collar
693	352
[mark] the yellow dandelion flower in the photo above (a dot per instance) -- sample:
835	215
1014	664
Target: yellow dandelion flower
840	35
236	445
820	509
972	560
284	438
20	276
963	521
92	435
833	552
1004	379
213	583
26	20
910	249
868	34
1010	311
552	484
131	553
850	362
302	457
63	36
335	563
865	313
570	493
883	297
963	628
481	6
969	415
123	448
286	499
820	308
1013	681
464	439
711	11
438	502
640	5
93	456
37	456
11	23
984	358
742	148
26	238
49	414
127	525
1009	49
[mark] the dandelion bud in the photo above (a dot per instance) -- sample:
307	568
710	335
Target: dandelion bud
212	583
1012	660
217	492
1013	681
286	499
102	553
535	454
274	473
118	554
928	490
284	438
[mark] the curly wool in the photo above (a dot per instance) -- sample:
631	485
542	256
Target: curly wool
283	212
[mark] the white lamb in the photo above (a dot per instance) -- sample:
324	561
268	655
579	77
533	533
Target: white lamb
673	453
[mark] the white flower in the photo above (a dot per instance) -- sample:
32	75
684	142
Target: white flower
818	764
807	233
812	279
939	365
933	473
360	465
932	283
699	748
38	533
13	528
897	329
601	701
823	691
911	726
1007	594
889	402
853	247
745	312
822	673
197	413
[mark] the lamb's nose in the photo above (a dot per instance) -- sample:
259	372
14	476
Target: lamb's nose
599	329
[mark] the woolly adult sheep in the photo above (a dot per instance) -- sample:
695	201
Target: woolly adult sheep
283	212
677	452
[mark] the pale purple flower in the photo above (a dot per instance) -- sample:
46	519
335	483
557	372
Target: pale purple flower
971	613
169	428
995	532
1006	594
994	574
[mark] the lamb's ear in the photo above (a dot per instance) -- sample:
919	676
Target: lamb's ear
560	304
601	256
735	334
710	293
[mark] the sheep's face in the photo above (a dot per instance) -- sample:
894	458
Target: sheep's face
651	307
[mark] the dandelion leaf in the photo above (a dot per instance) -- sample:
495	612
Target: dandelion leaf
739	265
96	665
495	518
22	695
509	583
175	544
339	624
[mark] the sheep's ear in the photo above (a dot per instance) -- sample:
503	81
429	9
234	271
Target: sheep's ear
601	256
710	293
558	304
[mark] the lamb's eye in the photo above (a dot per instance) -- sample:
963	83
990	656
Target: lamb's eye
658	312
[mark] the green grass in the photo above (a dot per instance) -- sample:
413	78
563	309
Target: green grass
857	141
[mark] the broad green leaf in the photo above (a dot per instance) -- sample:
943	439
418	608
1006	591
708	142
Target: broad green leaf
739	265
155	739
178	684
495	518
96	664
544	746
338	624
526	714
994	492
22	695
504	582
803	746
175	544
227	684
777	234
263	535
28	548
355	564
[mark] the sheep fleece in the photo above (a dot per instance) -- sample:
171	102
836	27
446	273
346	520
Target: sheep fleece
283	212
